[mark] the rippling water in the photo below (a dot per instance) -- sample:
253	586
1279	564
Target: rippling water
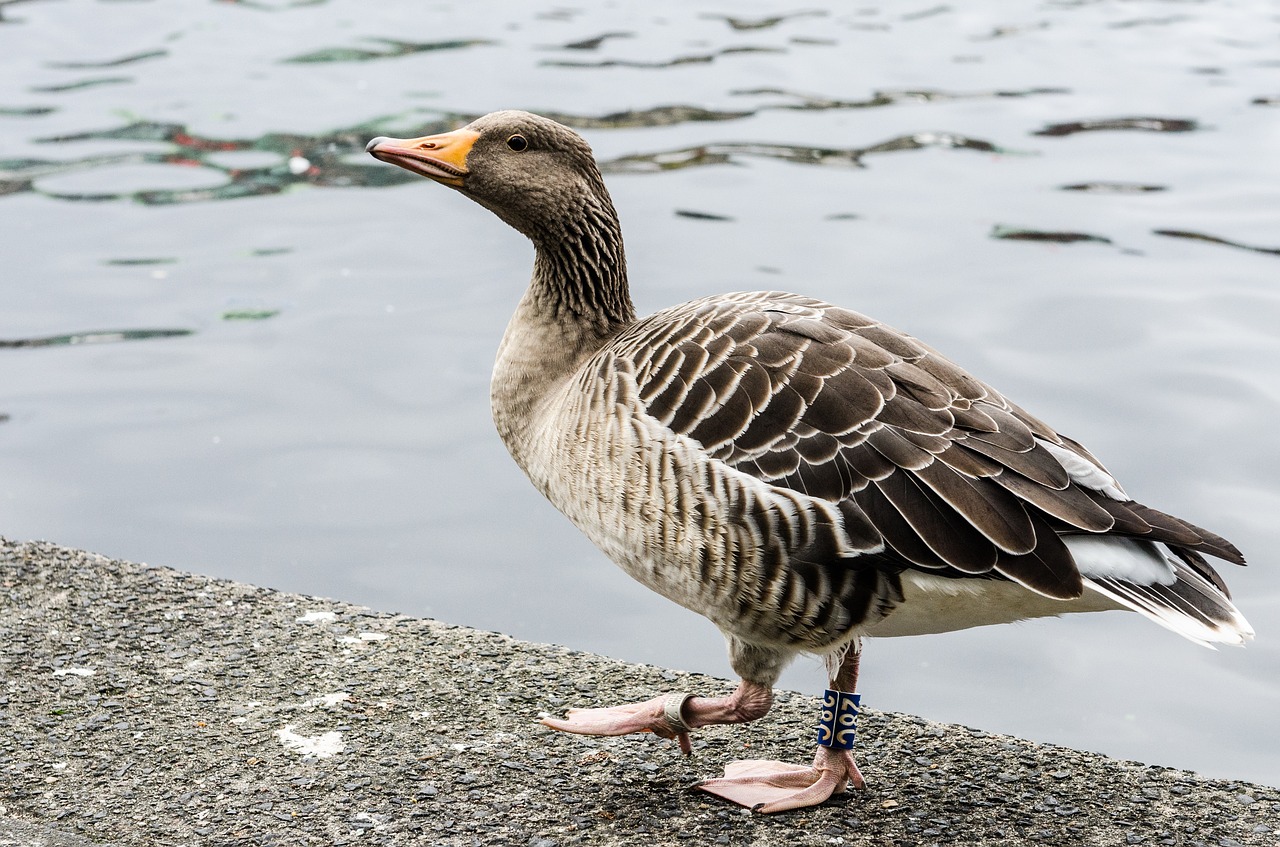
232	343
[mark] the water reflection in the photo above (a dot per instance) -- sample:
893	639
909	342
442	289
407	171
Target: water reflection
249	314
390	48
300	160
1011	30
716	154
1009	233
594	43
926	13
702	216
769	22
110	63
81	84
1140	124
1149	21
889	98
14	186
274	7
96	337
1213	239
657	116
678	61
4	9
150	260
1113	187
333	158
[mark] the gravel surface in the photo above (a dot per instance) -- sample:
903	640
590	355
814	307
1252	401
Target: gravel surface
145	706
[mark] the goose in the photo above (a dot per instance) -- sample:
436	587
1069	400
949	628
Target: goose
798	473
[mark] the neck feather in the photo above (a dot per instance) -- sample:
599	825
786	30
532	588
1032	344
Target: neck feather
580	272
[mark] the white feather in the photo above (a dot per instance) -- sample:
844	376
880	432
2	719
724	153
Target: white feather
1084	472
1185	621
943	604
1140	575
1114	557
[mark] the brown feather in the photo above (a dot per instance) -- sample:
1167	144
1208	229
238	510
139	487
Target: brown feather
772	422
1126	521
956	541
972	417
896	448
1069	503
969	463
868	462
846	402
897	533
776	464
721	427
906	412
924	387
903	346
992	510
1034	462
1048	569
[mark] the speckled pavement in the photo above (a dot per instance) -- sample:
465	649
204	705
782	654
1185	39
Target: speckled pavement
145	706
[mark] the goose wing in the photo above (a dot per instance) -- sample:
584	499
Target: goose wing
920	458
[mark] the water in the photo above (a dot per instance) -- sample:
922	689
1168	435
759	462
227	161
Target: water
1075	200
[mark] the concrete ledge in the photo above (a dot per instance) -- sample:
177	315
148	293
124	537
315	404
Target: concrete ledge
145	706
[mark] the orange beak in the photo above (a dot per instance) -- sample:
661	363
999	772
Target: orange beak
440	157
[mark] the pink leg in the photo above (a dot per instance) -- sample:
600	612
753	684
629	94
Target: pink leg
767	786
667	717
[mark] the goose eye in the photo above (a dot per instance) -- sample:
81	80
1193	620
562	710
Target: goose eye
518	143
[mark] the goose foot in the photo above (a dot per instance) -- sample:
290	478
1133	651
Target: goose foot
661	716
766	786
669	715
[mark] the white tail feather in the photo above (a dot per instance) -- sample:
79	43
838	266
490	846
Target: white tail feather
1149	579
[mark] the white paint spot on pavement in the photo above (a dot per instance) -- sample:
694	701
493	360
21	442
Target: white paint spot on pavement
318	746
363	637
328	701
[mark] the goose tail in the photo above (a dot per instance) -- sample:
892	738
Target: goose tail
1173	590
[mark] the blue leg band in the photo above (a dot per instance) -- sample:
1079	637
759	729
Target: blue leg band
838	720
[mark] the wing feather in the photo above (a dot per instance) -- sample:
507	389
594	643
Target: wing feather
992	510
898	535
1031	461
928	467
1047	569
1068	504
952	538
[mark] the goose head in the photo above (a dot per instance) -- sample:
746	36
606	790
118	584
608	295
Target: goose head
537	175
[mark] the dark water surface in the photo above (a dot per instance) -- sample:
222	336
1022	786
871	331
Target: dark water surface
232	343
